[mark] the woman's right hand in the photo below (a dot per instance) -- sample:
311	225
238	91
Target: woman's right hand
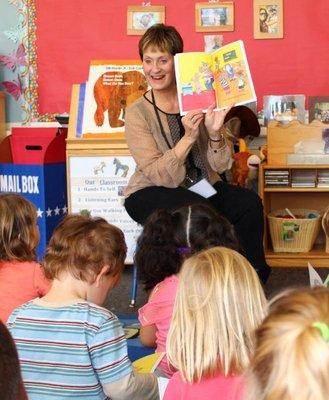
191	122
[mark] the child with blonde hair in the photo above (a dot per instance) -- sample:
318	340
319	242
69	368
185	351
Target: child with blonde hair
219	304
291	358
69	346
21	277
168	238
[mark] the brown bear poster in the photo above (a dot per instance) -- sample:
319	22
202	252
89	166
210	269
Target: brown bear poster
111	87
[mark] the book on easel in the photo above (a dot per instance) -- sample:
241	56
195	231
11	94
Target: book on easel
221	77
111	87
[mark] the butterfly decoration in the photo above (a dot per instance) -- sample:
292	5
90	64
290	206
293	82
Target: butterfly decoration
14	88
16	59
15	34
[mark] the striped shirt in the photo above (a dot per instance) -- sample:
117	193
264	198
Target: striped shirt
69	351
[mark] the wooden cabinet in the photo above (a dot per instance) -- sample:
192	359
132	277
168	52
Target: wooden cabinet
277	197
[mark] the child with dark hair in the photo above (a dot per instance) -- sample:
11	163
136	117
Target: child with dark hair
168	238
11	383
21	277
69	346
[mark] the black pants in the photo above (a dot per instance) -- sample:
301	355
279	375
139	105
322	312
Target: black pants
242	207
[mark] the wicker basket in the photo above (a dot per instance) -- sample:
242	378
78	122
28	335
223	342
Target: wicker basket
293	235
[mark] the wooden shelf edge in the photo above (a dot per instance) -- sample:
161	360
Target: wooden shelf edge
317	258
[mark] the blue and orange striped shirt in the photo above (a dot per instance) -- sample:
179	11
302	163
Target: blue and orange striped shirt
68	351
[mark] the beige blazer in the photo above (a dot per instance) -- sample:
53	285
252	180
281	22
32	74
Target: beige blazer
156	164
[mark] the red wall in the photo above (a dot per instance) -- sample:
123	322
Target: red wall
71	33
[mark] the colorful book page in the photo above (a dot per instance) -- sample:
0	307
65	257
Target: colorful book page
148	363
194	81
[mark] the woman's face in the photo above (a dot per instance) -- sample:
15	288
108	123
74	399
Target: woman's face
158	68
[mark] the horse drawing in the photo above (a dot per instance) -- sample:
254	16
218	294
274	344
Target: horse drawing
119	166
99	168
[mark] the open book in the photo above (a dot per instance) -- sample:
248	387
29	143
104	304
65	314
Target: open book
148	363
221	77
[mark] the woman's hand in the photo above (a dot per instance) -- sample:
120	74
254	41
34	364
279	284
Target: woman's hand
214	120
191	122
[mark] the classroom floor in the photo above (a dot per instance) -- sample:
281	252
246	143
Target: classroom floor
280	278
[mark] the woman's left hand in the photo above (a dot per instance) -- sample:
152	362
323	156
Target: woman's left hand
214	120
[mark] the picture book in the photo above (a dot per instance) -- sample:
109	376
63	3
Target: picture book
222	77
111	87
148	363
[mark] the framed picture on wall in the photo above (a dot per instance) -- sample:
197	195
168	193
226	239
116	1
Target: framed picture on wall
214	17
319	108
284	109
140	18
268	19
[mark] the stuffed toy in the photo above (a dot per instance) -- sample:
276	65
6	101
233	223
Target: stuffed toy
245	167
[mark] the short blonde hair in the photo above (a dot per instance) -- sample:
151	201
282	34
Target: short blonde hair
219	304
19	233
82	246
292	358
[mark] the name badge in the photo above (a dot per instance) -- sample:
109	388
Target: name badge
203	188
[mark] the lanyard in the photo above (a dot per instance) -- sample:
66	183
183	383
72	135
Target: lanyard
189	157
159	121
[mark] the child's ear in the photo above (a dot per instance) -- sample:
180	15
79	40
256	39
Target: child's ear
102	272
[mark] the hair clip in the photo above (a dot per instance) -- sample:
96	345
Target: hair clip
323	328
183	250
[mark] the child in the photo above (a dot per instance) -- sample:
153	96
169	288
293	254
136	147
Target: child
292	348
21	278
69	346
11	383
167	239
219	304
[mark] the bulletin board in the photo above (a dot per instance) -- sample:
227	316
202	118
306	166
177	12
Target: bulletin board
71	33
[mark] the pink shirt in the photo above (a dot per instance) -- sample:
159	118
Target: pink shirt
158	311
218	388
20	281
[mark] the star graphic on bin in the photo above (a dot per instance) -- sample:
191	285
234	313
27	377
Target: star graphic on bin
57	210
48	212
39	213
64	209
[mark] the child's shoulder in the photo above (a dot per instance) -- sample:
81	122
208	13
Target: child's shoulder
167	285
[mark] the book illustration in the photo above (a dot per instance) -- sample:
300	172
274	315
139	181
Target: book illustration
112	86
148	363
221	77
114	91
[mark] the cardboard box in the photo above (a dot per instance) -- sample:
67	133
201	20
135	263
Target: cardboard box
281	138
32	163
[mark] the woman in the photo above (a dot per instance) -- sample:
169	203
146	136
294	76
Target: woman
172	153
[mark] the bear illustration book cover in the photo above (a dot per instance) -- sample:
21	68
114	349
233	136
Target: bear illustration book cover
222	77
112	86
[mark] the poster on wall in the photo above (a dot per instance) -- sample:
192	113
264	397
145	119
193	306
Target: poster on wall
112	86
96	188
